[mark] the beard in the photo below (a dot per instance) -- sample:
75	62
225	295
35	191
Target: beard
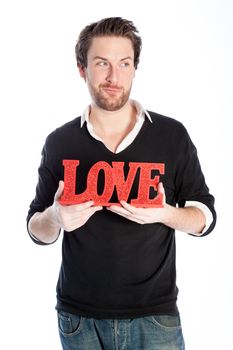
112	101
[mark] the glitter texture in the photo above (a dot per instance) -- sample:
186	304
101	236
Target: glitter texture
114	177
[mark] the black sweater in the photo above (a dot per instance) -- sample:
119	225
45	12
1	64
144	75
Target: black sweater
112	267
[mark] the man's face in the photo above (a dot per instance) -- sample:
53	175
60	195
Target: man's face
110	71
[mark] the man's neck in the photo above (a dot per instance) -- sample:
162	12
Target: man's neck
113	126
113	122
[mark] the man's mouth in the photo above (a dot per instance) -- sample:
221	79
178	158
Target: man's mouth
111	89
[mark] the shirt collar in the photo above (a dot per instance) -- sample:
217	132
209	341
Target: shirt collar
141	112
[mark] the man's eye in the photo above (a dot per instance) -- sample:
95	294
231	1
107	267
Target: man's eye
102	64
124	64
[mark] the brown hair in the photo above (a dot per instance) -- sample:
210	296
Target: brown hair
112	26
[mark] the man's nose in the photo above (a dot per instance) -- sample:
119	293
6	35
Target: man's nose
112	76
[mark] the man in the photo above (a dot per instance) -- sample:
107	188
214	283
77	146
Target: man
117	283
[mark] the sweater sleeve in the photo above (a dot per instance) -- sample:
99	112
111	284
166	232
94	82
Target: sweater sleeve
47	184
190	181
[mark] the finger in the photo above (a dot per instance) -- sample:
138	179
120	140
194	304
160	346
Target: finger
87	205
118	210
127	215
85	214
161	191
97	208
131	208
137	211
59	190
92	211
160	188
82	206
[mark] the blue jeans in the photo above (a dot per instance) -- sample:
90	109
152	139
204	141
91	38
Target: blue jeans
146	333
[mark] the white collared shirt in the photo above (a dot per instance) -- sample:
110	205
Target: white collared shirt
140	118
142	114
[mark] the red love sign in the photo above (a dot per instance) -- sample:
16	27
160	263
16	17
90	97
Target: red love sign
114	179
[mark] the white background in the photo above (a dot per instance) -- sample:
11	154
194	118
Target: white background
186	73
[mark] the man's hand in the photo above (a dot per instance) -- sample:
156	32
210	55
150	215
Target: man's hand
71	217
45	226
141	215
189	219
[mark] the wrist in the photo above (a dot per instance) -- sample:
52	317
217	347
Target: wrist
168	212
52	218
42	227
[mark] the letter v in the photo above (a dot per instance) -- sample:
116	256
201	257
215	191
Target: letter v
123	186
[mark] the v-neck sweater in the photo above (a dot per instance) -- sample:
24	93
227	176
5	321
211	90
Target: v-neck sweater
113	267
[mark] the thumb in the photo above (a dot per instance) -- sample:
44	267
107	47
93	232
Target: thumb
161	191
59	191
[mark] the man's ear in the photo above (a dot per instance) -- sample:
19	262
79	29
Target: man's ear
82	71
